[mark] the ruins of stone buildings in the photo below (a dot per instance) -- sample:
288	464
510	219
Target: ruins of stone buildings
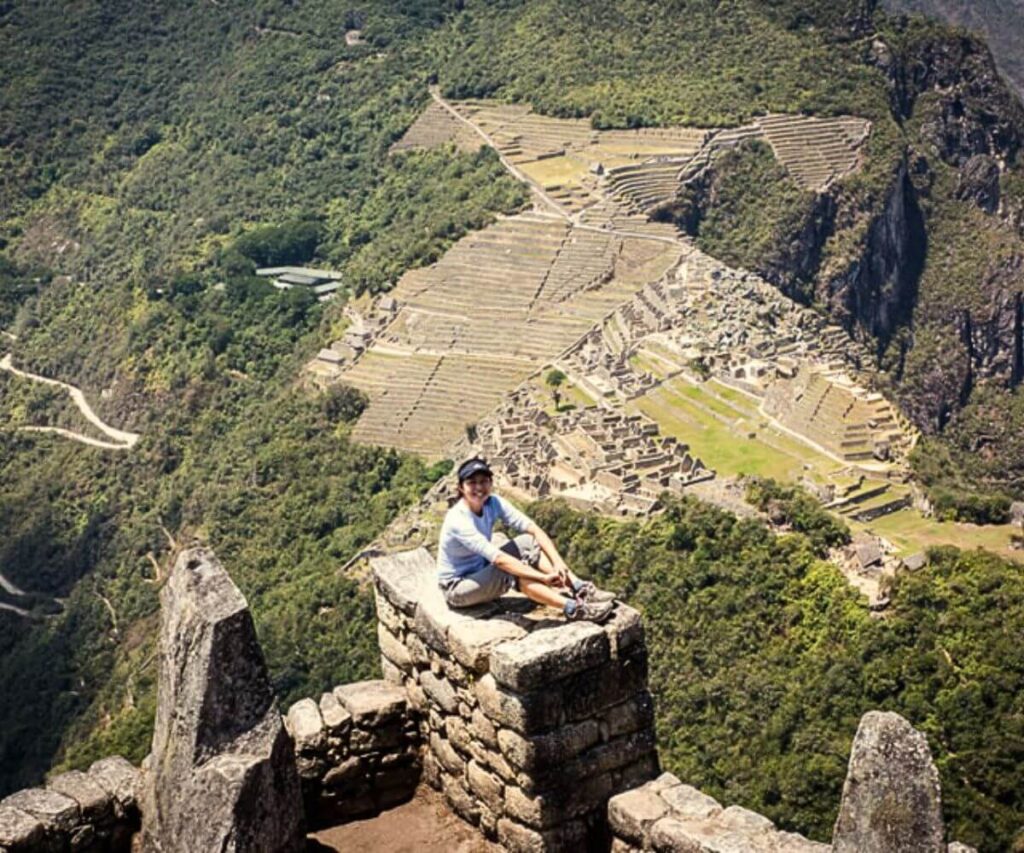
596	458
538	732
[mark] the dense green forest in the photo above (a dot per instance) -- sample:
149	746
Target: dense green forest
153	157
763	659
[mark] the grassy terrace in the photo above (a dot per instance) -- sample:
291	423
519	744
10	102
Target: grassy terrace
718	421
910	532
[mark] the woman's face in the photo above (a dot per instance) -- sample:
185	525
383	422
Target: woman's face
475	490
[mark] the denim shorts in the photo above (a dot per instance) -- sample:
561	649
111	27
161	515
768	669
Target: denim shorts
490	582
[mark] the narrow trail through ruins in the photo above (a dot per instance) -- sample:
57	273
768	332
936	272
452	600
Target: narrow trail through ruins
120	439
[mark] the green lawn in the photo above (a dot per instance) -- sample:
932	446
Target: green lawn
911	532
689	412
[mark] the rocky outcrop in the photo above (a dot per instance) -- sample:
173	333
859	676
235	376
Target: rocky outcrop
358	751
222	773
891	799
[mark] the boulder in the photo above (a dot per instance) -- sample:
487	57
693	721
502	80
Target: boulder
891	799
20	832
222	774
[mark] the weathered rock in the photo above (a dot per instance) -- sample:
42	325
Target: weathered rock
222	775
891	799
744	820
440	692
306	726
960	847
20	832
372	703
549	654
400	577
687	802
122	780
393	649
471	641
631	814
96	804
56	812
337	720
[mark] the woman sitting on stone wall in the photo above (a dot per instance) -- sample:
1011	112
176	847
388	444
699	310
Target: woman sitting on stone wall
472	569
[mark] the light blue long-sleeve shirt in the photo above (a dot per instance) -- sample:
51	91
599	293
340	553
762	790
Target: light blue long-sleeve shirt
465	546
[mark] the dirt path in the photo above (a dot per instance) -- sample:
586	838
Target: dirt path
423	825
120	439
14	609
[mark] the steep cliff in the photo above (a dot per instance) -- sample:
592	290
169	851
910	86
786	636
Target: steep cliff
919	252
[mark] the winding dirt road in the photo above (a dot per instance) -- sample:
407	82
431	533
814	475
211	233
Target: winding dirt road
120	439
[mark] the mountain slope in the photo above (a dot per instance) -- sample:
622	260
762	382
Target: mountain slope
152	156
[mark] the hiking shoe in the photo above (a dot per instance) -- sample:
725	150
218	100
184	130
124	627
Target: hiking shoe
589	592
589	611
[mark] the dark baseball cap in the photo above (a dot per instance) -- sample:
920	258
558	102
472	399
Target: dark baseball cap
476	465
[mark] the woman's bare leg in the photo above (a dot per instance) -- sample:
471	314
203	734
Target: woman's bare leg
545	565
542	593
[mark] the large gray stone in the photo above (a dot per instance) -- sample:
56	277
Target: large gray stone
891	799
549	654
122	780
372	703
222	775
548	752
20	832
58	814
689	803
393	649
471	640
631	814
402	578
306	726
440	692
96	804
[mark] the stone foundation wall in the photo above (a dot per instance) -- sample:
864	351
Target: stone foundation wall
358	751
93	812
530	723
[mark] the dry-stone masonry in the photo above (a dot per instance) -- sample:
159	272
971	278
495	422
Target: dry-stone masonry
358	751
95	811
222	772
670	817
531	723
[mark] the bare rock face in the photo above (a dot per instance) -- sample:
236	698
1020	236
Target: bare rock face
222	774
891	799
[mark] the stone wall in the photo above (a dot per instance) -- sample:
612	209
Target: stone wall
93	812
666	815
358	751
530	723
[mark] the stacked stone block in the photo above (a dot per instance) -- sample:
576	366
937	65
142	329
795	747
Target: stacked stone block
358	751
669	817
531	723
92	812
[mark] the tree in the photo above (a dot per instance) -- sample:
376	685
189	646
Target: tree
554	379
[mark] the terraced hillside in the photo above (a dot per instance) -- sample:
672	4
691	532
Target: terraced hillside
498	306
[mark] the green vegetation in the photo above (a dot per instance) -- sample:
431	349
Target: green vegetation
763	660
724	428
152	157
747	214
792	506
